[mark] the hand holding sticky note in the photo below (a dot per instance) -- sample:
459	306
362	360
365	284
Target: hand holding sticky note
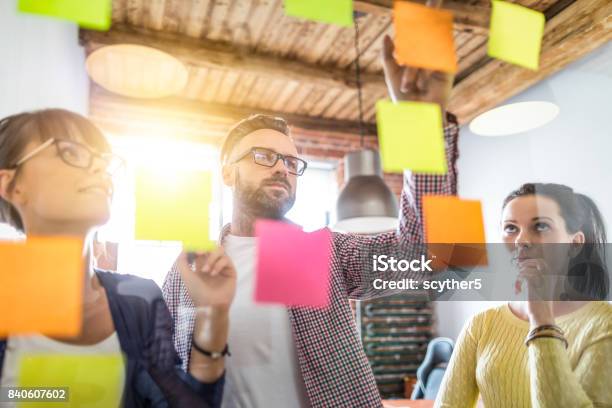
448	221
93	14
292	265
41	286
516	34
424	37
91	380
174	207
411	137
338	12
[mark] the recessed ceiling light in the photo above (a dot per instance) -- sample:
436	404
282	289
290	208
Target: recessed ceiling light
514	118
137	71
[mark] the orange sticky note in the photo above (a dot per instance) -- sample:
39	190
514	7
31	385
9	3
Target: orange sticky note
454	230
41	286
424	37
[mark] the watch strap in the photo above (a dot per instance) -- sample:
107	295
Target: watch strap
212	354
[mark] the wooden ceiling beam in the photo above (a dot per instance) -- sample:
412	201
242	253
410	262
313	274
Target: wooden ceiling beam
579	29
215	55
573	30
174	114
468	18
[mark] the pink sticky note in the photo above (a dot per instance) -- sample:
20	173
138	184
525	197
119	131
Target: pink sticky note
292	265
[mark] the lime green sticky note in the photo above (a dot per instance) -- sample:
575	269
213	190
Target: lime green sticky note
91	380
515	34
411	136
174	207
94	14
339	12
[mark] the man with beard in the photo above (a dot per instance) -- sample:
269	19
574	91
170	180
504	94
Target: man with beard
297	356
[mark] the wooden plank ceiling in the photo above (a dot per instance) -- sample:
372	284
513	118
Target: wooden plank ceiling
247	55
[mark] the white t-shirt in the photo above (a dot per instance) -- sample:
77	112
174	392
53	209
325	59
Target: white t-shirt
263	370
18	346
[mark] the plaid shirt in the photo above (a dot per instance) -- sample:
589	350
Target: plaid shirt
333	364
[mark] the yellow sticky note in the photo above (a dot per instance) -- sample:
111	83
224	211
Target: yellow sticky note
411	136
174	207
41	286
339	12
92	381
515	34
94	14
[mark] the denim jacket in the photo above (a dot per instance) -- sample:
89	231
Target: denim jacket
154	377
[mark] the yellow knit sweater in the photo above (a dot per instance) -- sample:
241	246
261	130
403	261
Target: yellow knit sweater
491	359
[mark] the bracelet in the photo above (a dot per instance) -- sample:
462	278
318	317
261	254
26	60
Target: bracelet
215	355
552	335
546	327
547	333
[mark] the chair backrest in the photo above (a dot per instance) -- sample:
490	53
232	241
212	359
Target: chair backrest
431	370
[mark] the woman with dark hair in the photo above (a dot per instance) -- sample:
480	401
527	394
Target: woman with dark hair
554	349
55	180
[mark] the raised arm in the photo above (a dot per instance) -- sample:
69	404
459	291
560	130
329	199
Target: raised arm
554	377
198	295
356	252
554	380
159	356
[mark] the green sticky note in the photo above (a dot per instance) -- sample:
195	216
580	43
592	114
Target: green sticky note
92	381
515	34
174	207
94	14
411	136
338	12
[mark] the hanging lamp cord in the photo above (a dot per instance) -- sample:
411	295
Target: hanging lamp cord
358	79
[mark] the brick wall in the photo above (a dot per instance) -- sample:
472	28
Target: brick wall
119	116
334	146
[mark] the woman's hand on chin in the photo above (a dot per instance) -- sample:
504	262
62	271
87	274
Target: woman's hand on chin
540	284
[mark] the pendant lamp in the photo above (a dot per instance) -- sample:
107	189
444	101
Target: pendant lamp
365	205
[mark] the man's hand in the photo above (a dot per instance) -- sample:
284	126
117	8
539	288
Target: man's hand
210	279
407	83
414	84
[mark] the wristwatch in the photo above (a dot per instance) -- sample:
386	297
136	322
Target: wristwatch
215	355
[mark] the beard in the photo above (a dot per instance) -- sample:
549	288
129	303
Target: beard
262	204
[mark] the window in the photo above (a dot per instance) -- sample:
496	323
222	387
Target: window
152	259
314	207
315	204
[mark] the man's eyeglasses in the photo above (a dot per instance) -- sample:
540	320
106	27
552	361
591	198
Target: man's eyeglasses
269	158
76	154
